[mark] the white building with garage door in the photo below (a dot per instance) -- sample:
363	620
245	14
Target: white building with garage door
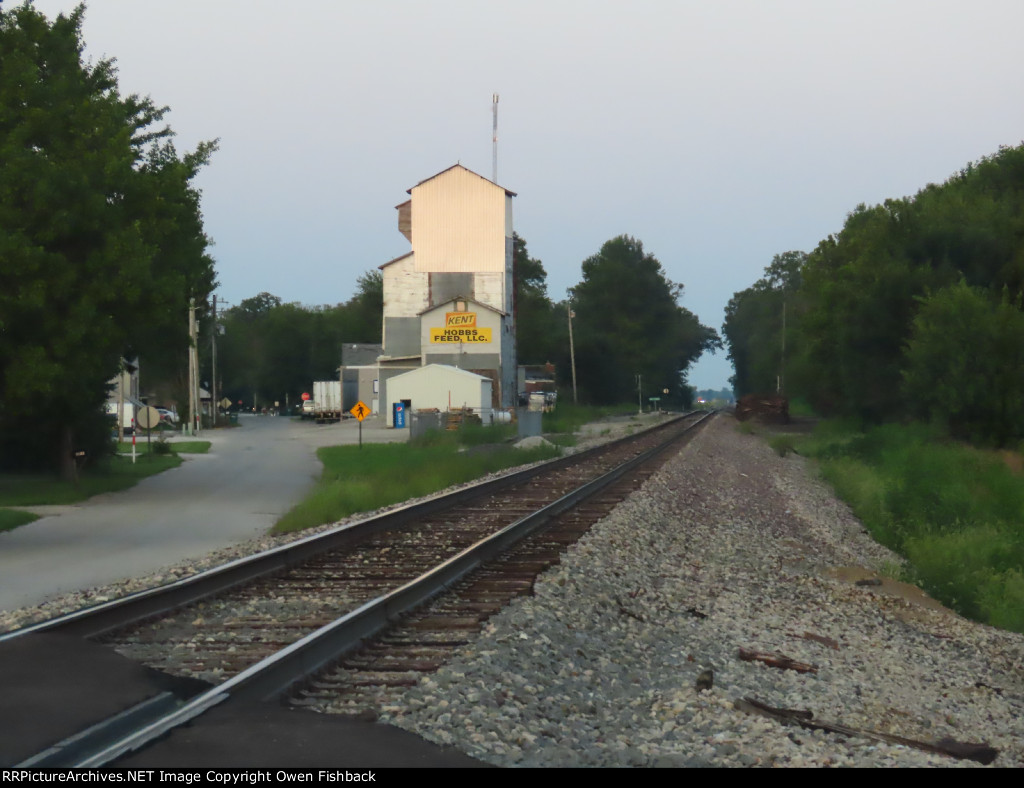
439	387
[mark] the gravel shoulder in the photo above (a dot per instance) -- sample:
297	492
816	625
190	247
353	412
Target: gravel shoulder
729	546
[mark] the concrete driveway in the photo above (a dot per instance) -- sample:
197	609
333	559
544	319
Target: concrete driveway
251	476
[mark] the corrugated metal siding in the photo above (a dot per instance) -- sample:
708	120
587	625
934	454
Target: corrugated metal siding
446	286
459	223
401	336
405	289
508	216
474	362
489	289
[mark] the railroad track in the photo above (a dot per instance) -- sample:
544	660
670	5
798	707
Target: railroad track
262	626
362	683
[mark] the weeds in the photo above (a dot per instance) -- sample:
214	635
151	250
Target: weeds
358	479
955	512
568	418
782	444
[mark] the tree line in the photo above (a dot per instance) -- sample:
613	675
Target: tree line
101	240
628	330
912	311
271	351
630	334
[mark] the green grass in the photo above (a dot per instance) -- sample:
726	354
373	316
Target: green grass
746	428
782	444
109	475
362	479
12	518
568	418
955	512
117	473
177	447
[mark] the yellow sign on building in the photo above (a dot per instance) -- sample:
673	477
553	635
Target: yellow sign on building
467	335
460	319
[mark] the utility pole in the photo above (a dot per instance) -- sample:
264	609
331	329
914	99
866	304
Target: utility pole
639	394
494	139
572	356
213	362
120	405
194	400
781	384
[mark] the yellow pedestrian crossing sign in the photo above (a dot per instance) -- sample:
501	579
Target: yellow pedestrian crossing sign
360	411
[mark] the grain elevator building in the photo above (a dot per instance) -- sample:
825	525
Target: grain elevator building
449	300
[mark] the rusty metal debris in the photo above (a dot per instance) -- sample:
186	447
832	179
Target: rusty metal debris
825	641
981	752
774	660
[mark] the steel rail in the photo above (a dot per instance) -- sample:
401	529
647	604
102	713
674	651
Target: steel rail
274	675
97	620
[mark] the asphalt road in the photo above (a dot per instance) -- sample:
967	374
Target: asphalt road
250	477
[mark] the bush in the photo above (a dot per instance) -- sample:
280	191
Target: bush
782	444
963	364
161	446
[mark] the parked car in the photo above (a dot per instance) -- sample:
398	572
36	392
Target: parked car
168	416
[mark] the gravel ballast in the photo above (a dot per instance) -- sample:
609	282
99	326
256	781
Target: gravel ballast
727	547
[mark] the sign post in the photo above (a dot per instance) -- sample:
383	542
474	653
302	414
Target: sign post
149	417
360	411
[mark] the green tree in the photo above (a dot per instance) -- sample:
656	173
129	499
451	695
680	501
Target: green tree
857	300
861	289
629	323
755	322
964	363
168	213
273	351
365	309
538	329
90	255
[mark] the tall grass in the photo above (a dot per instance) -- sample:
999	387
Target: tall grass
568	418
955	512
362	479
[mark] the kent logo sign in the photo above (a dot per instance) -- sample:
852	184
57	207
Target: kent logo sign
460	320
460	327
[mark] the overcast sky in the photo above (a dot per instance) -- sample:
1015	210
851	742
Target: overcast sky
719	133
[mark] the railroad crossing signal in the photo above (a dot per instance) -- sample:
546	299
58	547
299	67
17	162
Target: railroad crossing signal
360	411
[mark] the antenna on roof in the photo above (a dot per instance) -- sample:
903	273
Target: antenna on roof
494	139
